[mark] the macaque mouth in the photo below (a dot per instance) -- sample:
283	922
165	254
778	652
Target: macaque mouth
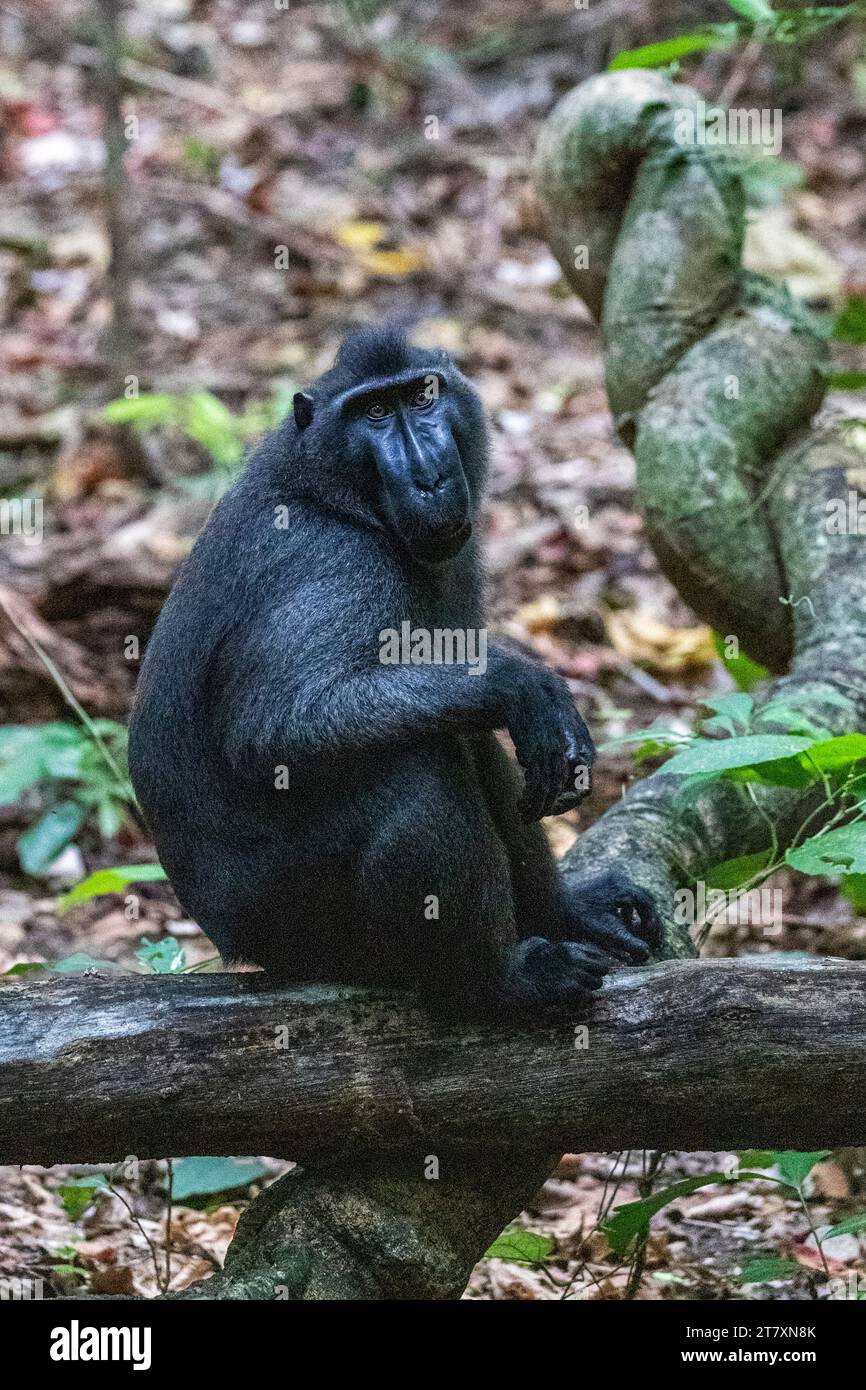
441	544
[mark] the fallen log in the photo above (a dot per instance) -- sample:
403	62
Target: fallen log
718	1054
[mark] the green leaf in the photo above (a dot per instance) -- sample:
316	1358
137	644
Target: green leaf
69	1270
164	957
794	1167
854	889
766	1267
201	414
733	873
78	1195
756	1158
719	755
840	851
212	424
737	707
850	324
201	1177
202	158
54	734
110	815
846	381
756	10
633	1218
659	55
26	751
742	669
79	962
833	754
259	416
794	26
765	182
519	1246
111	881
64	764
69	965
781	772
657	737
852	1227
40	845
800	770
795	721
143	412
208	486
19	774
732	713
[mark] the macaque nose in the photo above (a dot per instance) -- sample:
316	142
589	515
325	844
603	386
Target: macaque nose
429	485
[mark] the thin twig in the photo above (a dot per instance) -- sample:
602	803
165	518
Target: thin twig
168	1217
154	1254
120	338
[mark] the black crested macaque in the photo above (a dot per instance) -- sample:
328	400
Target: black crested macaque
331	802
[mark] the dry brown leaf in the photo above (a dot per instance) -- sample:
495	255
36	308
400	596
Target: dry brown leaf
829	1180
810	1258
360	236
561	835
774	247
644	640
606	1291
363	238
403	260
595	1248
540	615
112	1281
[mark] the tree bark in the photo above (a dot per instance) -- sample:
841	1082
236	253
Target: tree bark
685	1055
375	1228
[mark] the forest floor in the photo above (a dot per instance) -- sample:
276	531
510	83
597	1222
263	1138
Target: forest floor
288	178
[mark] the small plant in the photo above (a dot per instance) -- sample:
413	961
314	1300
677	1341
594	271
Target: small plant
80	772
724	749
201	158
204	418
757	21
627	1227
79	1194
67	1265
165	957
114	880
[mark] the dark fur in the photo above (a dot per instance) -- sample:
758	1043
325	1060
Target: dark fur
266	655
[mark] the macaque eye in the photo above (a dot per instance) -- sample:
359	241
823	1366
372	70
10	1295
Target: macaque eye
423	398
377	411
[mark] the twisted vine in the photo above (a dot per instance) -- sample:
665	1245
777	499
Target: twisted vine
713	375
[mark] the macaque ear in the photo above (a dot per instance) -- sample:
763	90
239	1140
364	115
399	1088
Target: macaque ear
302	405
